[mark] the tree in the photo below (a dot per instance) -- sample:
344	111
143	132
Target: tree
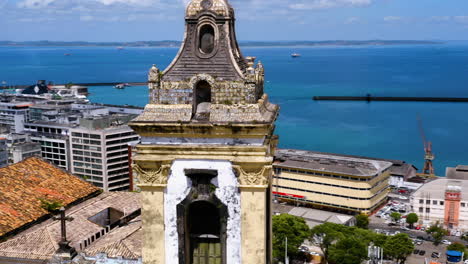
348	250
398	247
411	219
362	221
437	232
458	247
292	227
325	235
395	216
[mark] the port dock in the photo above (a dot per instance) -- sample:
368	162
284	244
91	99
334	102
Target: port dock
370	98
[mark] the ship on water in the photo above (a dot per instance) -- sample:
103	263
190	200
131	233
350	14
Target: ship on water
295	55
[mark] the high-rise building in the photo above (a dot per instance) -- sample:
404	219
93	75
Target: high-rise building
13	116
204	164
54	141
3	152
100	151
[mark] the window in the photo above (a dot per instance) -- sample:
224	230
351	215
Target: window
434	202
441	202
421	201
421	209
428	210
428	201
206	39
463	204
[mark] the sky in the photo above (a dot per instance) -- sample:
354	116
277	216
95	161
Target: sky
257	20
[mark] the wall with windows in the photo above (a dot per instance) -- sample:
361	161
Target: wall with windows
101	156
344	192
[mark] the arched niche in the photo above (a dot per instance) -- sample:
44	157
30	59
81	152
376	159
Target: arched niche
206	39
202	100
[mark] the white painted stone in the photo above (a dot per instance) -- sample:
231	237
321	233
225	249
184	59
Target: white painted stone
227	191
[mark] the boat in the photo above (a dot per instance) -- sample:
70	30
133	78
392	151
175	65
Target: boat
295	55
120	48
67	54
121	85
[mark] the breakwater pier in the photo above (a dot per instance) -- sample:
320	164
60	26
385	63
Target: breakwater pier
370	98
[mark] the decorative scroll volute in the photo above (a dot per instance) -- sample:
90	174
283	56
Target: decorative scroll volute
258	178
152	176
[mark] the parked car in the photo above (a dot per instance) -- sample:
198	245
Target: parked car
416	251
446	242
435	255
422	253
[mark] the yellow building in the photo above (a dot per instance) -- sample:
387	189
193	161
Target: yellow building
204	164
342	183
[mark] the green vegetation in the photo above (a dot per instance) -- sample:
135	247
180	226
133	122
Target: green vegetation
411	219
437	232
398	247
348	250
362	221
50	206
395	217
458	247
343	244
292	227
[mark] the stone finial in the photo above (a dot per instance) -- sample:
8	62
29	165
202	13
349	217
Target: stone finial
153	75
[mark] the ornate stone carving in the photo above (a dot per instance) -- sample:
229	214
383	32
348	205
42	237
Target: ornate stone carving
153	75
260	178
153	176
203	77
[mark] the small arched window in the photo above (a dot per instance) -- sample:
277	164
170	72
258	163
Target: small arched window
206	41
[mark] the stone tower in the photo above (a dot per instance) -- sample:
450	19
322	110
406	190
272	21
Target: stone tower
204	164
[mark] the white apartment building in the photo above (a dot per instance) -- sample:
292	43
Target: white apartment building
444	200
100	154
13	116
54	141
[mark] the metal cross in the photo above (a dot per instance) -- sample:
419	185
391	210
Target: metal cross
62	218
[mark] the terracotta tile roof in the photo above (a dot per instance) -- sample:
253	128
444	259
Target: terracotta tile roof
22	185
41	240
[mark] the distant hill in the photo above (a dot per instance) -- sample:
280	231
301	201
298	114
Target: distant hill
173	43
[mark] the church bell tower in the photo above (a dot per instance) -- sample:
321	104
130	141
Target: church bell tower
204	164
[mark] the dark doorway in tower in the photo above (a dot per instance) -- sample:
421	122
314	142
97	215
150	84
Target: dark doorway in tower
202	101
201	222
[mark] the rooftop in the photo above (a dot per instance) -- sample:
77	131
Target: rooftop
41	241
458	173
25	183
437	188
309	160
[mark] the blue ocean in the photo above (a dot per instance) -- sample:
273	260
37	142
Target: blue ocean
377	129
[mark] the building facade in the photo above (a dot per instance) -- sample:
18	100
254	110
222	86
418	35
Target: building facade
444	200
100	152
3	152
352	185
54	141
204	164
13	116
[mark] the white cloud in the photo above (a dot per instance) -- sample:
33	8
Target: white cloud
35	3
461	19
392	18
86	18
352	20
323	4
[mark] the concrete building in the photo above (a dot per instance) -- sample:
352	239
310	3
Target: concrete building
13	116
352	185
444	200
22	151
20	147
3	152
100	151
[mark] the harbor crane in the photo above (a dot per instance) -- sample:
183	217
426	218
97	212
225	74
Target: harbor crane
429	157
